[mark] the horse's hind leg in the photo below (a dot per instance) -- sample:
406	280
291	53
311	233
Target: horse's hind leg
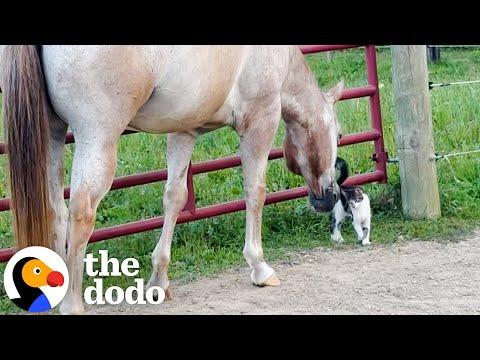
179	153
255	144
58	131
93	170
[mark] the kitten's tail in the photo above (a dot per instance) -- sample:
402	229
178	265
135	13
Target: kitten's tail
341	165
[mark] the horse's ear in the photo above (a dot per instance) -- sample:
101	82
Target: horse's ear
336	92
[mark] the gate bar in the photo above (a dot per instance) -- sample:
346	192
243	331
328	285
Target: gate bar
204	212
206	166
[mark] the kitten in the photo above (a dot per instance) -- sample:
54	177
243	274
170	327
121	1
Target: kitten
353	203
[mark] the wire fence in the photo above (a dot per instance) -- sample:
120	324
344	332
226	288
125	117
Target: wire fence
441	156
436	157
440	46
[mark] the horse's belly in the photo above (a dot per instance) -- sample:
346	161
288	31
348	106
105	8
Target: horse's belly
169	125
162	115
195	85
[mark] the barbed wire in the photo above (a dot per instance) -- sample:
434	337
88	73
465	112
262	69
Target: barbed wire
442	156
446	157
432	85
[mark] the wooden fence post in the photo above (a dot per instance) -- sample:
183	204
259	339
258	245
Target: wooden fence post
414	132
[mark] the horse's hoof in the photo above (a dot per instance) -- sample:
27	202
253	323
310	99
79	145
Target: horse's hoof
168	294
69	310
273	280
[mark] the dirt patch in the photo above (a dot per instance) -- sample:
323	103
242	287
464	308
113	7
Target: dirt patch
408	278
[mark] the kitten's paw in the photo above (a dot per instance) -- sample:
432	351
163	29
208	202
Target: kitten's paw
337	239
366	243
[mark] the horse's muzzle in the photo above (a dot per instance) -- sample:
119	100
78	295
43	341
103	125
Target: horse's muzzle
325	203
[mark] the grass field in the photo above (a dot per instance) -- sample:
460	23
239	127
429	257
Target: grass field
208	246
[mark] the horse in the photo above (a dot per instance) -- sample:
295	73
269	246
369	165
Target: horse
183	91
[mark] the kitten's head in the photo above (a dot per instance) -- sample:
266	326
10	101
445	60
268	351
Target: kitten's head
354	196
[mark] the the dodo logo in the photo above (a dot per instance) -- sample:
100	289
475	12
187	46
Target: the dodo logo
36	279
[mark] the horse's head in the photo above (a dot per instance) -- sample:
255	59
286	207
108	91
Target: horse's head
310	147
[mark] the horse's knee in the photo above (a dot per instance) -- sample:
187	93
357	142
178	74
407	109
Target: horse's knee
175	197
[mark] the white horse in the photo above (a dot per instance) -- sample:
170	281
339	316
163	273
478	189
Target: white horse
100	91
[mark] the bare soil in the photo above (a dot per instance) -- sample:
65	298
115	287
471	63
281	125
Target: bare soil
417	277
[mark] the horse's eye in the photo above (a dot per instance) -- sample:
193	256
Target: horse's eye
37	270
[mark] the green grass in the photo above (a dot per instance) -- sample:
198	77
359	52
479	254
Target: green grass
208	246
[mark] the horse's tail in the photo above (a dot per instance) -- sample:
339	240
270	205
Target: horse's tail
341	165
27	135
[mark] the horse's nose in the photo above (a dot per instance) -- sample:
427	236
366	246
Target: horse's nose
326	202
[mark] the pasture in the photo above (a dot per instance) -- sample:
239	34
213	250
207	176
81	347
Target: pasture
209	246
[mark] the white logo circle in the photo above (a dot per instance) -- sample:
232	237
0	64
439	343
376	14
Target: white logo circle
36	279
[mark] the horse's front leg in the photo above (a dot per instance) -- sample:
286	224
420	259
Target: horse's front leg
179	152
255	144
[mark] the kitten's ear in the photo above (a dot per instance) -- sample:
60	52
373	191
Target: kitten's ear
358	193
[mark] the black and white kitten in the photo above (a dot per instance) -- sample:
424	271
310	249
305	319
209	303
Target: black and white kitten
354	204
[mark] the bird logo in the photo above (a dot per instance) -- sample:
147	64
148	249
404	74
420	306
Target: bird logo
36	279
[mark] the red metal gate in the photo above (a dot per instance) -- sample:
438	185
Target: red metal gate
191	213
